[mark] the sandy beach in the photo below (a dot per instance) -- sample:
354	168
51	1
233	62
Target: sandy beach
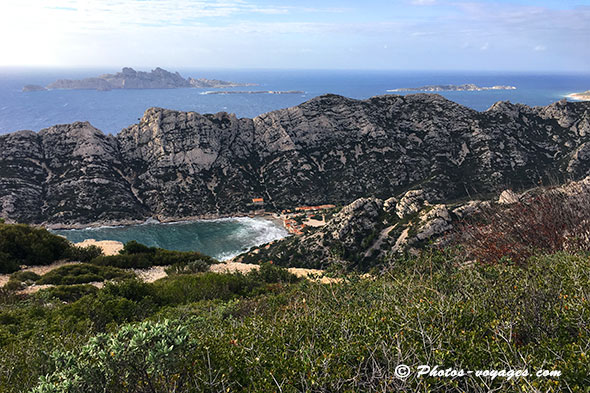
585	96
109	247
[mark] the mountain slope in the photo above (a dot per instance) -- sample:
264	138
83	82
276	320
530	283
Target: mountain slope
330	149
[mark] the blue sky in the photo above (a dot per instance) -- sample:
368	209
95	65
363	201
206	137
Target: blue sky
500	35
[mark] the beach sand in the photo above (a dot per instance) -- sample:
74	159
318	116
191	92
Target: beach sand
109	247
585	96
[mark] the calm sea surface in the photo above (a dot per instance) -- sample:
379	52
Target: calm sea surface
113	110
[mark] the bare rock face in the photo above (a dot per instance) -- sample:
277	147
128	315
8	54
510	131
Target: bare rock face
330	149
434	222
64	172
508	197
355	220
411	203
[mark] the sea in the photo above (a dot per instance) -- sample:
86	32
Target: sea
111	111
222	238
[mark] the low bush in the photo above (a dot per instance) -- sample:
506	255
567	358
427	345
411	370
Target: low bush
348	336
84	254
198	266
83	273
184	289
20	279
27	245
66	293
137	358
137	256
133	247
24	276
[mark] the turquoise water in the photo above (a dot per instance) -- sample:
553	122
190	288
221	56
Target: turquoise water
221	239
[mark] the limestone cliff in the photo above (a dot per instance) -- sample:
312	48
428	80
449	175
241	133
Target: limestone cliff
330	149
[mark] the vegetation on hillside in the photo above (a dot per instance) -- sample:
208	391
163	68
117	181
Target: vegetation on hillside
136	255
511	297
265	331
549	221
28	245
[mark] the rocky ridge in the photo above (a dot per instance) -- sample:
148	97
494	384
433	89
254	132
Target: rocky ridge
331	149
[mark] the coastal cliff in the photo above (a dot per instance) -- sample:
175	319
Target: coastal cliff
330	149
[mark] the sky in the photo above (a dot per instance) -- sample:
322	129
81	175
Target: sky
522	35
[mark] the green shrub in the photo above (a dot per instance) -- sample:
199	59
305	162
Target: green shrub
271	273
67	293
137	256
147	357
24	276
14	285
182	289
198	266
133	247
27	245
20	279
8	264
84	254
135	290
83	273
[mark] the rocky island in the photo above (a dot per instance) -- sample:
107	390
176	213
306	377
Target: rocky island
584	96
464	87
254	92
128	78
33	88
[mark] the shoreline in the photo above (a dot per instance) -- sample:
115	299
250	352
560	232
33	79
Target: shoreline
585	96
270	216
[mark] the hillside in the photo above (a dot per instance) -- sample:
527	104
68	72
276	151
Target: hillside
330	149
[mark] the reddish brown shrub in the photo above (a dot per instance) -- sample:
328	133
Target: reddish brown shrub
549	221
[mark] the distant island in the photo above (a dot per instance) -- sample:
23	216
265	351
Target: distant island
584	96
255	92
128	78
464	87
34	88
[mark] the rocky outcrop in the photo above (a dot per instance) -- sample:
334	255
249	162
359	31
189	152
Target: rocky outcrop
128	78
330	149
369	232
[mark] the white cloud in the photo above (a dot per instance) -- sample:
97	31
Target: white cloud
485	46
539	48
